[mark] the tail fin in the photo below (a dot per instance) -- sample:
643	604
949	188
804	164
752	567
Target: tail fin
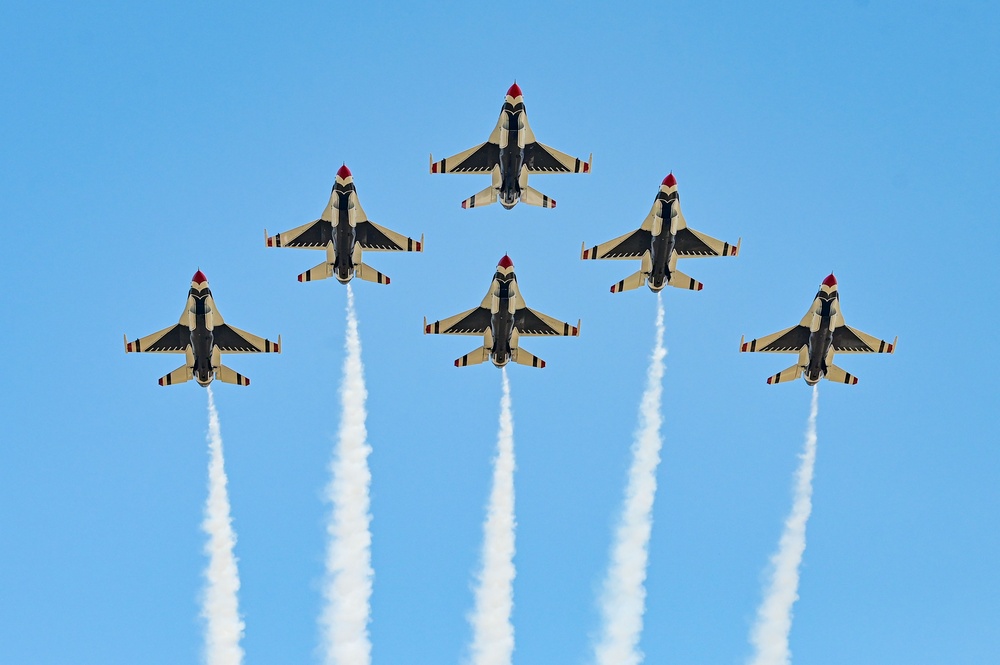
682	281
369	274
179	375
322	271
522	357
633	281
786	375
474	357
838	375
533	197
483	198
228	375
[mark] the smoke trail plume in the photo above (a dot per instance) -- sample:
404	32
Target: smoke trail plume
774	616
348	585
623	599
220	606
493	633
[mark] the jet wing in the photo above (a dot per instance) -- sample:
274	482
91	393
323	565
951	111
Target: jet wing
690	244
229	339
375	238
475	321
479	159
540	158
629	246
789	340
174	339
848	340
530	323
314	235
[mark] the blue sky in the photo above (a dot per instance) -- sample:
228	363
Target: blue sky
141	143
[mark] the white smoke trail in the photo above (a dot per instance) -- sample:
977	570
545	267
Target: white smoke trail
348	585
774	616
220	605
623	599
493	633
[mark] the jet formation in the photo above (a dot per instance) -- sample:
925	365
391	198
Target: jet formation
509	157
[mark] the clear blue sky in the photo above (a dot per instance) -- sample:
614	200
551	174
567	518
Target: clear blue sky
140	143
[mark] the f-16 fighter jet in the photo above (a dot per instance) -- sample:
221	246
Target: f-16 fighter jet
502	319
663	238
821	333
344	231
510	155
203	337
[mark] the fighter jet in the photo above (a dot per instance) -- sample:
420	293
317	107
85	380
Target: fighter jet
203	337
502	319
510	155
343	231
663	238
821	333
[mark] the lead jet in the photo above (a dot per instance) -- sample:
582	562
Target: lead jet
820	334
510	155
663	238
502	319
202	336
344	231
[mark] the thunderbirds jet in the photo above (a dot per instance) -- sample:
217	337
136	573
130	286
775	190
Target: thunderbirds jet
510	155
203	337
343	232
502	319
663	238
821	333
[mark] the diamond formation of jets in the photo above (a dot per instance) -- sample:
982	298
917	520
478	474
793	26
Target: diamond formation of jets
203	336
502	319
343	232
663	238
510	155
821	333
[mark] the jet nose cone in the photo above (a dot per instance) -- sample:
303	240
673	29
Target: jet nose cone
514	91
505	262
199	278
830	280
670	180
343	172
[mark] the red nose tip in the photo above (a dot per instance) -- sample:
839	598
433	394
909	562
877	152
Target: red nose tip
514	91
830	280
670	180
505	262
343	172
199	278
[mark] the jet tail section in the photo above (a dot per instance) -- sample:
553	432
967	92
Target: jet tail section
483	198
533	197
522	357
228	375
682	281
838	375
322	271
633	281
786	375
476	357
369	274
179	375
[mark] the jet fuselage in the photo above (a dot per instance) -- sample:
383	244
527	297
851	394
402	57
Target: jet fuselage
202	338
511	154
820	337
662	241
502	317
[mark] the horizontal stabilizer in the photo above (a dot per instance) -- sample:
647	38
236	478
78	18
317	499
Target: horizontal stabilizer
322	271
483	198
838	375
179	375
682	281
533	197
633	281
522	357
227	375
476	357
786	375
369	274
